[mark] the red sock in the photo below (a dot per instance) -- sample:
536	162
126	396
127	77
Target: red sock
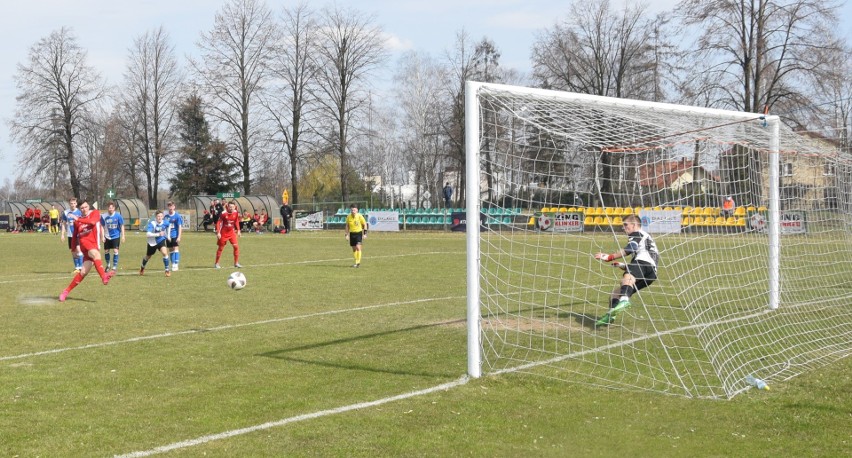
100	267
236	254
76	281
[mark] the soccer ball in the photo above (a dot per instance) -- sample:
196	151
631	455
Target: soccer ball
237	280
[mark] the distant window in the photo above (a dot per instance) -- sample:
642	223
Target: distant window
787	169
828	169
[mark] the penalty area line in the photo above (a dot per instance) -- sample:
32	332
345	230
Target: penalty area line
308	416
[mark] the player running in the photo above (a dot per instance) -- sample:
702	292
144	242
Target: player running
174	222
113	224
228	230
86	239
157	232
639	273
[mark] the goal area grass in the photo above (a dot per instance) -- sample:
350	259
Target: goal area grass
316	358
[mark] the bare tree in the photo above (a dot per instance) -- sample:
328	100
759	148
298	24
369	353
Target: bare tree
599	51
418	83
751	54
291	104
350	48
152	82
57	96
234	67
460	68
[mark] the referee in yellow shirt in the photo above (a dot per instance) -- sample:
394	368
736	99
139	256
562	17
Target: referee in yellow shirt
356	229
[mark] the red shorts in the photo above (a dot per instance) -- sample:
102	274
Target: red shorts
85	249
232	237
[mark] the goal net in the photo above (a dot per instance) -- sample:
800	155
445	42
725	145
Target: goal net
752	221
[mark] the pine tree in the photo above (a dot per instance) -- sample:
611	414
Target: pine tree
203	168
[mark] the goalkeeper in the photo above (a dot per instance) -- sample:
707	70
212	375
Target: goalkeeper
639	273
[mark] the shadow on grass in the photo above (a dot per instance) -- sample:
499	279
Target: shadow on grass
284	353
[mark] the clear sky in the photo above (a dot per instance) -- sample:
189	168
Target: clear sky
106	28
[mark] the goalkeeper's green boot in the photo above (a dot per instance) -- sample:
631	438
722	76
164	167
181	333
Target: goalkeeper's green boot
605	320
619	307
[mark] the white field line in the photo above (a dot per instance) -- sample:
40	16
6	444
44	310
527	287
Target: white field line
224	327
308	416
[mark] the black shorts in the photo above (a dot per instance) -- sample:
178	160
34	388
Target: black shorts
172	243
355	238
155	248
644	273
112	244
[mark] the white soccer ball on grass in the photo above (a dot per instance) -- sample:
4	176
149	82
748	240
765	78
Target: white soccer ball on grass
237	280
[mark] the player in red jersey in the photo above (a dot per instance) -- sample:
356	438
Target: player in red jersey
228	230
86	239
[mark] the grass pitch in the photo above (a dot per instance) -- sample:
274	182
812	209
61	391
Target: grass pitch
307	360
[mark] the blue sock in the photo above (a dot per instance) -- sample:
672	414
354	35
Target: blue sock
144	262
177	257
114	261
78	262
106	258
166	262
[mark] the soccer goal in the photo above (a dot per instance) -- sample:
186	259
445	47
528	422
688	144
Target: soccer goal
752	221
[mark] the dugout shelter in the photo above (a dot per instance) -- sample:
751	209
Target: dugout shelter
250	203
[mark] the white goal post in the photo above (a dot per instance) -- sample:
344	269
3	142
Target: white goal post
755	287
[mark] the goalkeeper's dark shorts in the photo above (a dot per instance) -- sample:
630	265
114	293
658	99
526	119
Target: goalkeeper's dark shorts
644	273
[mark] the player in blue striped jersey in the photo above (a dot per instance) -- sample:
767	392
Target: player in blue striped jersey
113	235
175	224
157	232
69	215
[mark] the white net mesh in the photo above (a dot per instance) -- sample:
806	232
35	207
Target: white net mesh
559	172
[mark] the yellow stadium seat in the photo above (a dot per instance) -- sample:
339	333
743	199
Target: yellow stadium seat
616	221
697	211
741	221
598	211
750	208
678	209
687	211
636	210
658	208
697	221
599	221
627	211
531	221
761	208
740	211
708	211
668	209
685	220
720	221
588	211
545	210
731	221
609	211
563	210
572	209
589	221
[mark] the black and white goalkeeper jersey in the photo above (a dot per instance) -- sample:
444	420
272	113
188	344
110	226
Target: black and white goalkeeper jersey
643	248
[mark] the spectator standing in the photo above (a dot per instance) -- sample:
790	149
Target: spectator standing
448	194
728	207
286	214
